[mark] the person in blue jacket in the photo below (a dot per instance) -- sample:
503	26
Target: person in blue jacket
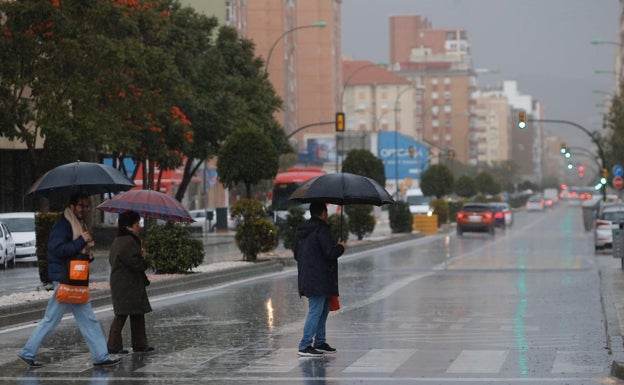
317	254
69	237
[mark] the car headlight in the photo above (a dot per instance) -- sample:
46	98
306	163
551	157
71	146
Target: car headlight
30	243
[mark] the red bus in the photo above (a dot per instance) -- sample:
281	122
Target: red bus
284	184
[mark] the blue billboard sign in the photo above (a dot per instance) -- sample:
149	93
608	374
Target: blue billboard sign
402	156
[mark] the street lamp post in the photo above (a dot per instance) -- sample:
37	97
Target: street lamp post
318	24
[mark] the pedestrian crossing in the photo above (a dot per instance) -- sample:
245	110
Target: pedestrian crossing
347	363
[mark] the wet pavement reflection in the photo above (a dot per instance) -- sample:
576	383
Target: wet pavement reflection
523	307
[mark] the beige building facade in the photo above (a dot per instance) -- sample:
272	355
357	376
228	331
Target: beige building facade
493	131
438	61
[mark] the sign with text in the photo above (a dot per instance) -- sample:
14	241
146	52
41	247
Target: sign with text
402	156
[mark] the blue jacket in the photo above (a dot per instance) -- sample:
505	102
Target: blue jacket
61	246
317	255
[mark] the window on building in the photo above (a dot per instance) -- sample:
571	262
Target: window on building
451	35
435	123
435	110
434	80
434	95
447	80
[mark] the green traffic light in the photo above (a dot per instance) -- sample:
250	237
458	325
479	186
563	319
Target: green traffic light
522	125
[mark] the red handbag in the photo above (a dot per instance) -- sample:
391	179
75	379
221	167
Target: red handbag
334	303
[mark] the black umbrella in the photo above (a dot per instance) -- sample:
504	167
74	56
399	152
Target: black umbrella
81	177
342	189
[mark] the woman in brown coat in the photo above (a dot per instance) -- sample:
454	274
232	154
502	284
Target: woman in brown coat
127	282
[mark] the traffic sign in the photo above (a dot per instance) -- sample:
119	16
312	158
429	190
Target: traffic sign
618	182
617	170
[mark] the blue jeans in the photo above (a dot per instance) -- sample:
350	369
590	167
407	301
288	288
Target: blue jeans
314	328
89	327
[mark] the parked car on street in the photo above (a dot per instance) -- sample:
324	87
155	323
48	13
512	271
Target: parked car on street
609	217
503	216
22	227
208	216
475	217
535	203
7	247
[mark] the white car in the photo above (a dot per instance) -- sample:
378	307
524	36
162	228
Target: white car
610	217
203	217
535	203
22	226
7	247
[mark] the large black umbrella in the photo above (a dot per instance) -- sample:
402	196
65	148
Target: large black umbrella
81	177
342	189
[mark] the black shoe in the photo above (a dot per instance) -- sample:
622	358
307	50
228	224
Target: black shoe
146	349
31	363
309	352
120	351
109	362
325	348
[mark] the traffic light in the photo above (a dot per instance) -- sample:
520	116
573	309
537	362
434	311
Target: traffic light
522	120
581	171
340	121
451	154
563	149
604	173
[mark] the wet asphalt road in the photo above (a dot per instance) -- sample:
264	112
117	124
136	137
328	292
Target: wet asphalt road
522	307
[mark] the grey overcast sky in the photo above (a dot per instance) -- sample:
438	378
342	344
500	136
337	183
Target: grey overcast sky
545	45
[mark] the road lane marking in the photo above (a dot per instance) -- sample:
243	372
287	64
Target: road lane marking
478	361
380	361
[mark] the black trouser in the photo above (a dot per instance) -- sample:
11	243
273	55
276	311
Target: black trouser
137	332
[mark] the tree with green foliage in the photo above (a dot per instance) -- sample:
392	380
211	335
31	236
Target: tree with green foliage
361	220
153	81
247	156
255	233
486	184
401	219
363	162
295	216
230	90
172	249
613	140
465	186
437	180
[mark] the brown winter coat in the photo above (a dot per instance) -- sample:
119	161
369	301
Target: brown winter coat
127	278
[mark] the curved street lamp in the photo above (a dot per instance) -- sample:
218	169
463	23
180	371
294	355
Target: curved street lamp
600	41
318	24
351	75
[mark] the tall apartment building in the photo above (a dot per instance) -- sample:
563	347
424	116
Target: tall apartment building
491	139
438	60
301	41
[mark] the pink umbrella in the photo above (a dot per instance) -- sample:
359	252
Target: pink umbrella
149	204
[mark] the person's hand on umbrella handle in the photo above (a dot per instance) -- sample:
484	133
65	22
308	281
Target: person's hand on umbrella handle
86	236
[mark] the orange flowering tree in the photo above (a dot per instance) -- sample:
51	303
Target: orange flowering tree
127	78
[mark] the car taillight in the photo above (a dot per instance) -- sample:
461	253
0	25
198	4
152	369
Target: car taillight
498	215
603	223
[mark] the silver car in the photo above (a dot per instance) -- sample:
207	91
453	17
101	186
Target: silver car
610	216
